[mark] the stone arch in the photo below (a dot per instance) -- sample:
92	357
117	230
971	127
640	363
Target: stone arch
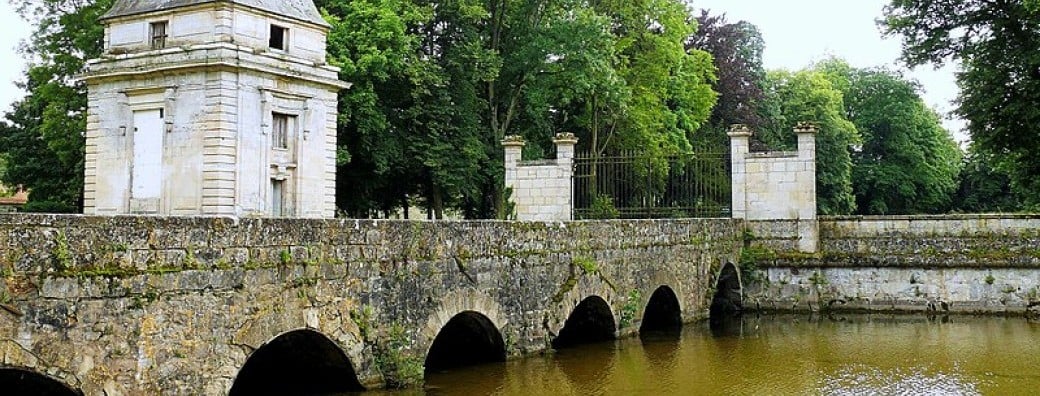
662	278
662	311
334	322
591	321
19	360
469	338
29	382
727	300
458	302
302	361
563	305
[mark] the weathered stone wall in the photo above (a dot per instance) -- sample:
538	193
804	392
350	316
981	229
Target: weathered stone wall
541	190
149	305
964	263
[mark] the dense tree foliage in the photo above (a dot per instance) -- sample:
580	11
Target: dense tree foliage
400	134
996	44
809	95
907	162
439	84
983	188
736	49
42	136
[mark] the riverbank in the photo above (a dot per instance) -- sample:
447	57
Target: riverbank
777	354
974	264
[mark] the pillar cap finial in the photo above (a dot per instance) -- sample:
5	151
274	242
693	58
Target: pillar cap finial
565	138
807	127
739	130
513	141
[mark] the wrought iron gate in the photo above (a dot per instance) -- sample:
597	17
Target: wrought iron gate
632	185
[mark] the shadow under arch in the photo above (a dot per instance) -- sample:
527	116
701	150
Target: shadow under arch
300	362
469	338
726	304
21	382
662	312
591	321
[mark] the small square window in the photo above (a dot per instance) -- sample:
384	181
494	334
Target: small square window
279	38
281	126
158	34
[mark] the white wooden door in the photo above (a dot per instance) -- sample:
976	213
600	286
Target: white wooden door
148	150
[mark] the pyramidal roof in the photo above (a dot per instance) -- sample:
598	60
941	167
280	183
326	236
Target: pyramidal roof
298	9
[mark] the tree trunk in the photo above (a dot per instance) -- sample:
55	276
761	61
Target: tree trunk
437	202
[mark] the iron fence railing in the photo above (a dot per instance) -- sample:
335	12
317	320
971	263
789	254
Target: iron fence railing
633	185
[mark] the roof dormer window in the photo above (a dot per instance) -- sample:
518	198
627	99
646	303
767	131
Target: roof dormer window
157	33
279	38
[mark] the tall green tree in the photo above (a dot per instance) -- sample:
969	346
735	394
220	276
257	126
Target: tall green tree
42	136
809	95
548	58
996	44
371	43
982	188
616	73
907	162
736	49
670	86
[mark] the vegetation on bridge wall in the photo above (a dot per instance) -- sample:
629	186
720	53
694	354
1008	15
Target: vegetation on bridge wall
176	305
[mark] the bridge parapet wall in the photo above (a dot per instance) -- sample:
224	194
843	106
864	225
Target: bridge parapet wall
966	263
153	305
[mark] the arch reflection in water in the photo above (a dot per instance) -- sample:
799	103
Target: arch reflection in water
588	367
27	383
301	362
469	338
590	322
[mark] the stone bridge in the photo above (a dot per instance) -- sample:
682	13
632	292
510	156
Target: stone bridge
215	306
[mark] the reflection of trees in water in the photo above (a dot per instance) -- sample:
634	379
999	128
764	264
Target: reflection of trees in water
828	354
661	350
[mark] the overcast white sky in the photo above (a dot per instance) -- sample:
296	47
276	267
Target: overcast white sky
797	32
11	64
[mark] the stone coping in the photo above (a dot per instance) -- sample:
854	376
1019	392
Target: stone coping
81	220
548	162
772	154
950	217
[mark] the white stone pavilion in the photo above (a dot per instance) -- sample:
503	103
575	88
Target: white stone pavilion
219	107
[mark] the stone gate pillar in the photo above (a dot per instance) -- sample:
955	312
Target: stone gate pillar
541	190
739	146
514	148
808	225
777	185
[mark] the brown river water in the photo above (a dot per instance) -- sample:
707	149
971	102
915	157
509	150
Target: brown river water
779	355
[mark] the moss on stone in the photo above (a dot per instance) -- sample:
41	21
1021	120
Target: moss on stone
587	264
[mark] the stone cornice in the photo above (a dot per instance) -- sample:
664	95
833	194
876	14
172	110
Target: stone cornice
217	55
